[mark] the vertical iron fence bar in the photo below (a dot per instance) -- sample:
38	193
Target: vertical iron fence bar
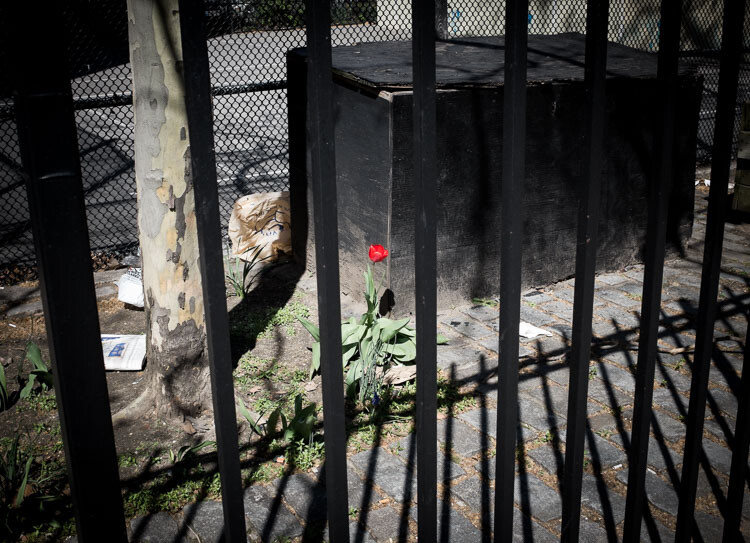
49	150
740	447
721	157
588	229
323	163
514	173
659	188
199	107
425	260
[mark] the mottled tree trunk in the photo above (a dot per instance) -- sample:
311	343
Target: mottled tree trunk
176	356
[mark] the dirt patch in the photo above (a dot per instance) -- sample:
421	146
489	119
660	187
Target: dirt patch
271	357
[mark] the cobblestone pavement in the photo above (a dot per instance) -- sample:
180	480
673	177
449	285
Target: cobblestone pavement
382	481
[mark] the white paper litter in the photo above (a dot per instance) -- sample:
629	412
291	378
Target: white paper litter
529	331
130	287
124	353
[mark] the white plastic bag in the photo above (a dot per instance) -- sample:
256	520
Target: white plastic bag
130	287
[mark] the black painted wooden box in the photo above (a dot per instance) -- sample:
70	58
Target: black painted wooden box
373	109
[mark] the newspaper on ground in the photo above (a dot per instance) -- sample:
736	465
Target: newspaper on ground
529	331
124	353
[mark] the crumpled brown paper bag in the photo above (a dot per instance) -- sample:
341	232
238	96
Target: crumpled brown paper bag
261	220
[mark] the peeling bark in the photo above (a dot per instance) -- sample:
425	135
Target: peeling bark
176	355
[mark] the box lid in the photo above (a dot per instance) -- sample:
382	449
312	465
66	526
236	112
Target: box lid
472	62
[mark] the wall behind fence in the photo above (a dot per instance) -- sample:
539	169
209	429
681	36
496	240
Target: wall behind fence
247	44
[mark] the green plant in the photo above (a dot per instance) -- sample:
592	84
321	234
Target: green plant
187	451
300	427
14	475
305	455
242	268
592	373
370	345
3	389
286	316
40	373
126	460
484	301
42	401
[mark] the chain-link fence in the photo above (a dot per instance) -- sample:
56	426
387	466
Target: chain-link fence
247	46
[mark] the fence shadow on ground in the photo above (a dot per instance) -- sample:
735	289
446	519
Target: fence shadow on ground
550	368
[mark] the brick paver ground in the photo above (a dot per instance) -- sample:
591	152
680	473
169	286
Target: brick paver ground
382	481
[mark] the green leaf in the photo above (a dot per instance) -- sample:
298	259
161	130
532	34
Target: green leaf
389	328
349	351
442	340
407	331
273	421
351	332
44	377
403	351
370	284
354	373
10	468
315	363
310	327
245	412
34	355
284	425
26	391
22	488
3	389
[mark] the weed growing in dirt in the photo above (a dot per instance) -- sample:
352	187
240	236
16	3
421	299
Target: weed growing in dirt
3	389
261	322
305	456
251	370
186	452
127	460
32	501
287	316
167	494
39	401
450	398
262	473
241	269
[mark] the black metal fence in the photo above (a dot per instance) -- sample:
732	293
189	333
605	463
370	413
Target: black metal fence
247	41
45	114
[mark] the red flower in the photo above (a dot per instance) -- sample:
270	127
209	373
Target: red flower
378	253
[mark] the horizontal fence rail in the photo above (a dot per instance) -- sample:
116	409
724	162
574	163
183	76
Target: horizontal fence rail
82	103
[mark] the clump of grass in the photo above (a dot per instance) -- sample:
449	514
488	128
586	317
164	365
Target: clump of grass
286	316
305	455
